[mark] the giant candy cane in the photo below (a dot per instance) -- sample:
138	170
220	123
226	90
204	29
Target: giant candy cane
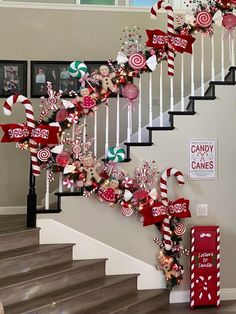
30	122
170	30
163	186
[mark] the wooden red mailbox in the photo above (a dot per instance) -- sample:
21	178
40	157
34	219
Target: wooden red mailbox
205	266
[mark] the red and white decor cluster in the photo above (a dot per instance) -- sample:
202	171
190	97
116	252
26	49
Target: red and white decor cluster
205	266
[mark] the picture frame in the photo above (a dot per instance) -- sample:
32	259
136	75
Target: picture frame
13	78
55	72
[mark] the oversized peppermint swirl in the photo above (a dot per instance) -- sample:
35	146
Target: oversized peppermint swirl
203	19
78	69
127	211
44	154
116	154
137	61
180	228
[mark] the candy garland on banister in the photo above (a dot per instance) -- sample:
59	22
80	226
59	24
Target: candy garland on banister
203	15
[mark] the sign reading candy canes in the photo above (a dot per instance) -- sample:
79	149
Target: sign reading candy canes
202	159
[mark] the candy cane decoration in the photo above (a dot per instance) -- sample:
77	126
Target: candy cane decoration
30	122
192	295
170	30
163	187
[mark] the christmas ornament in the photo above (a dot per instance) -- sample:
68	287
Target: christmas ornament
62	159
180	228
44	154
203	19
229	21
78	69
68	183
170	30
61	115
30	122
130	92
116	154
137	61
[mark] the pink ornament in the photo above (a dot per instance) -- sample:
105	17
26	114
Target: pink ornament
130	91
61	115
229	21
140	194
63	159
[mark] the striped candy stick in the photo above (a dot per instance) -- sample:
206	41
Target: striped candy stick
218	265
163	187
30	122
170	30
192	267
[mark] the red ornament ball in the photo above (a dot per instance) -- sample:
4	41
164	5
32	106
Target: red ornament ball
229	21
62	159
61	115
130	91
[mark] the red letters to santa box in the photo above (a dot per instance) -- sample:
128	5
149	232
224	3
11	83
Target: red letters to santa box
205	266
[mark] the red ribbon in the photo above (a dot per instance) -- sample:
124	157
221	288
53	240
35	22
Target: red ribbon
42	134
158	39
156	212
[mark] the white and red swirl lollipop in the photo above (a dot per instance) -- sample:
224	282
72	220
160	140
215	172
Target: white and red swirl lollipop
137	61
203	19
127	211
180	228
44	154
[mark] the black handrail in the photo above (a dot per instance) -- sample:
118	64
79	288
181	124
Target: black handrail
31	201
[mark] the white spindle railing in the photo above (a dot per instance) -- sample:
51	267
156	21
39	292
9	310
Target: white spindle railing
182	83
161	95
150	116
195	70
202	65
140	111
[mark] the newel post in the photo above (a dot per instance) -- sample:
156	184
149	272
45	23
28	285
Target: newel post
31	201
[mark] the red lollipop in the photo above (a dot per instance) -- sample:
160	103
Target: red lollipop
130	91
229	21
137	61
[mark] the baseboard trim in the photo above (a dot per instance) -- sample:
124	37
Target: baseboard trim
184	296
12	210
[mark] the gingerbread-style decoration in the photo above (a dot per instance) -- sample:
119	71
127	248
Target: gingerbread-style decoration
90	168
105	77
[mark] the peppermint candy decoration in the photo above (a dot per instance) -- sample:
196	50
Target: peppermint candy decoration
203	19
73	118
127	211
68	183
116	154
137	61
78	69
180	229
44	154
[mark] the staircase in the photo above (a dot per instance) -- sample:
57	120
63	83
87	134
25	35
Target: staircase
45	279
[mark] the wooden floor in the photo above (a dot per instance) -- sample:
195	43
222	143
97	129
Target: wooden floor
227	307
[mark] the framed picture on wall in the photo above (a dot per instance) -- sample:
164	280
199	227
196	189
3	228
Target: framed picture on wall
55	72
13	78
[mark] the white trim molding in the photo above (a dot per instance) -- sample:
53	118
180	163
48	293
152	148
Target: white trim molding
184	296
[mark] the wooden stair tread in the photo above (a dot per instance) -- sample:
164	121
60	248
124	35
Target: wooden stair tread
32	250
45	272
115	306
16	230
66	294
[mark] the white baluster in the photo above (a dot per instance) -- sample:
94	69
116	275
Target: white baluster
161	95
202	65
233	50
171	93
84	130
212	57
182	82
72	189
131	120
222	55
150	99
129	109
230	49
47	194
60	182
118	120
95	133
192	74
107	130
140	112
